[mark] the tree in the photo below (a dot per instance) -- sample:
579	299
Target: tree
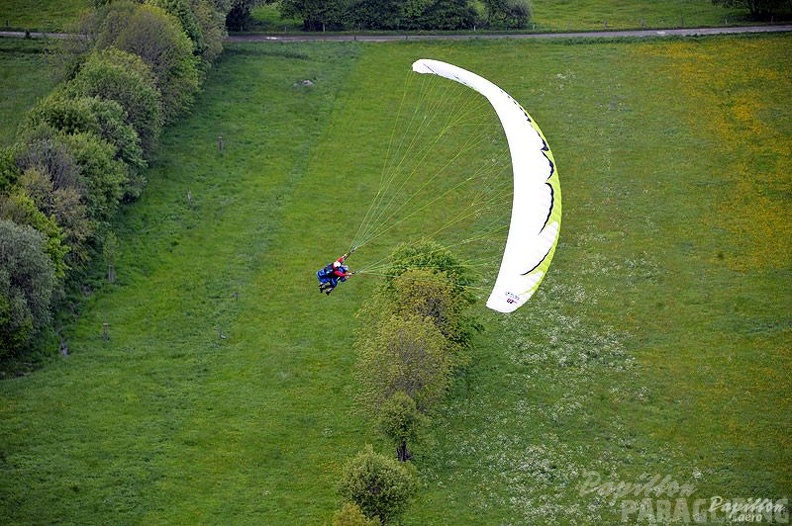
102	117
432	295
375	14
449	15
400	421
427	279
74	177
27	280
122	77
518	14
156	37
380	486
429	255
511	14
20	208
240	13
412	13
101	176
9	171
403	354
64	205
317	15
202	23
758	9
50	177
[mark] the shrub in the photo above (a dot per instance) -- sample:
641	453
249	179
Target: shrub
158	39
202	23
21	209
65	206
400	421
429	255
101	176
380	486
27	280
124	78
102	117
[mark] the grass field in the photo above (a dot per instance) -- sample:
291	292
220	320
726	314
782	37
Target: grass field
24	79
659	344
40	15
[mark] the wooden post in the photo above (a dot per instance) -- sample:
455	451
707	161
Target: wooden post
220	144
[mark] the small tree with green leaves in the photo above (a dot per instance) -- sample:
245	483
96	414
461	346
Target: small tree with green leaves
400	421
426	279
27	280
403	354
123	77
432	295
102	117
50	175
20	208
64	204
758	9
381	486
429	255
157	37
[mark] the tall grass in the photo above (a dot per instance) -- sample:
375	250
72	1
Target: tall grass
658	344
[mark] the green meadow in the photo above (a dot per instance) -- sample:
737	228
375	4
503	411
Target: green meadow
24	79
657	348
40	15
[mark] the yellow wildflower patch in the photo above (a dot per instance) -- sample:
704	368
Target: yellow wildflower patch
737	94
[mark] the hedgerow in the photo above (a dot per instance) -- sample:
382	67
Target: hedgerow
81	152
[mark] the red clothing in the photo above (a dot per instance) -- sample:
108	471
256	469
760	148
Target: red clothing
338	270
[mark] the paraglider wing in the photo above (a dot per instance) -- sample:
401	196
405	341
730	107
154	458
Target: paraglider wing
536	207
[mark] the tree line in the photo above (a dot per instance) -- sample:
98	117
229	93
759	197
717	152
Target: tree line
407	15
416	334
82	151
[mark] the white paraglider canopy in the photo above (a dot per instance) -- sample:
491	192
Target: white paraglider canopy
536	207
